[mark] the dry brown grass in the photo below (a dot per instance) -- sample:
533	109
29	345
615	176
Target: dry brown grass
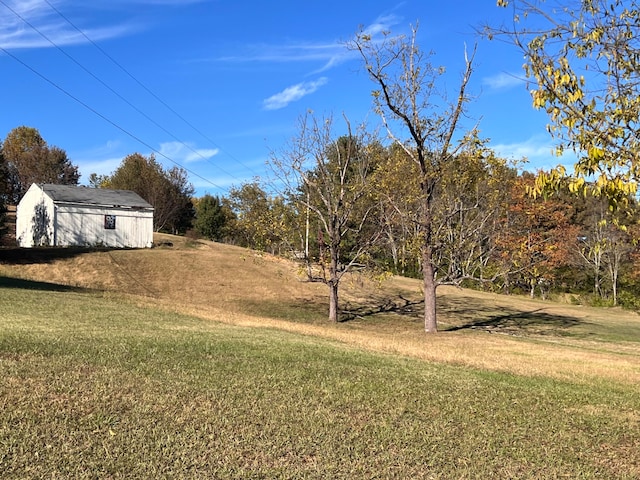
233	285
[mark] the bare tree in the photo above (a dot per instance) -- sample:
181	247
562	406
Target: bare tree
408	98
605	243
331	179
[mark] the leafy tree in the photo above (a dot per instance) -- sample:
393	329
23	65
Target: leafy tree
330	178
179	201
468	204
261	221
471	199
398	204
287	221
28	159
212	218
408	97
3	195
583	58
250	204
536	239
99	181
167	190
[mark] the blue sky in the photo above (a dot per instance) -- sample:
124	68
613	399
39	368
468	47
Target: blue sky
214	86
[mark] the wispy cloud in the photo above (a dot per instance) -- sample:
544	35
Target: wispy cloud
35	24
43	24
293	52
105	166
381	24
375	30
177	3
329	53
503	81
293	93
186	153
538	151
103	159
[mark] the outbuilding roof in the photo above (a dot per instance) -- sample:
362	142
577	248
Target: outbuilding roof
94	196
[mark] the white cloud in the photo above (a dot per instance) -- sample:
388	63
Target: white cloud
331	54
36	24
56	36
185	152
297	52
102	160
538	151
105	159
293	93
342	54
104	166
178	3
503	81
380	25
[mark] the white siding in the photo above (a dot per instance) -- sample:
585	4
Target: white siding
41	221
35	219
84	226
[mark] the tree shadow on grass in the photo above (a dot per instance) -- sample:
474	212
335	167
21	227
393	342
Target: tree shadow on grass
304	310
26	256
458	313
398	305
18	283
534	321
471	314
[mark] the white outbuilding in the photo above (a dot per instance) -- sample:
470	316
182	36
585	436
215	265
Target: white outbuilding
66	215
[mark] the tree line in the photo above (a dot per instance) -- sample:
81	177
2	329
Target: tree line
348	201
354	207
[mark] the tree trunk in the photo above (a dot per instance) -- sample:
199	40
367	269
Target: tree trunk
333	301
506	288
430	318
334	281
394	251
428	269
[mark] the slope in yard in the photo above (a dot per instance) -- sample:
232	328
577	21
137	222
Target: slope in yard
97	388
235	285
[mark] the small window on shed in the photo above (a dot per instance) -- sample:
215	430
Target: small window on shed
110	222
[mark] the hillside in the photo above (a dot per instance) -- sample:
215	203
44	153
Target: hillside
177	271
235	285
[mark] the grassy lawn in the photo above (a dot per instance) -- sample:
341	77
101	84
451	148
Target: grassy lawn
95	386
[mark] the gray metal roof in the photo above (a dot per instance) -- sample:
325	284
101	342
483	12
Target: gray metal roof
94	196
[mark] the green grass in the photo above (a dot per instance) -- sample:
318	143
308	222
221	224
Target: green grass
96	387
